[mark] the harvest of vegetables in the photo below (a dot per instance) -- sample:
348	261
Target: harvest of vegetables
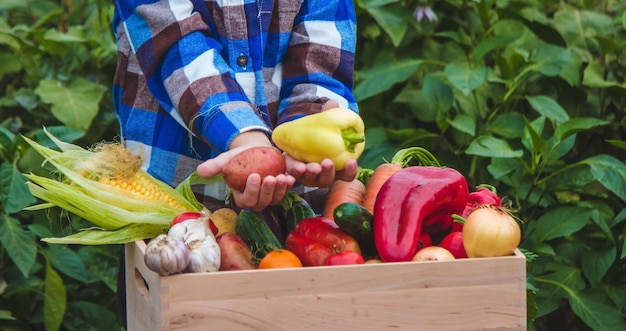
388	214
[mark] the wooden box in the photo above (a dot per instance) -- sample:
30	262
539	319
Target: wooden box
465	294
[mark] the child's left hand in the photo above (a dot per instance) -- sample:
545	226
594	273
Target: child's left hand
320	174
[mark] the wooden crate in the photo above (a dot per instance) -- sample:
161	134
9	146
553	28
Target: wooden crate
466	294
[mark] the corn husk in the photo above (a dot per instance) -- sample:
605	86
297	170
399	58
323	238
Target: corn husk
118	216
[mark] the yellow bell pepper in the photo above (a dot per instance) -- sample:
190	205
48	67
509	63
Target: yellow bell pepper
337	134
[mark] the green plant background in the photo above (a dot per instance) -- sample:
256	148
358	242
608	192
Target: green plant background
528	96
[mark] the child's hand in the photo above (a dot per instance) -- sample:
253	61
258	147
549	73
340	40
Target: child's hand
320	174
257	195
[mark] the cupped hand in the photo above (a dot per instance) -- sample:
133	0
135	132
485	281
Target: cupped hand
257	194
321	174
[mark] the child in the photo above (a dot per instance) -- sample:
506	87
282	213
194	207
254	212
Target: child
197	82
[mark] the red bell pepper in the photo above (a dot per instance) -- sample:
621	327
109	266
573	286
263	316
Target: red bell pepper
413	197
314	239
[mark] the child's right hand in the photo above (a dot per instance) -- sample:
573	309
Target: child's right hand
258	194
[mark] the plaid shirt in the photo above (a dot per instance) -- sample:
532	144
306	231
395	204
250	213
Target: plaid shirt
191	78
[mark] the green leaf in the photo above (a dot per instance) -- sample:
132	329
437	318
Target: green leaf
610	172
464	123
9	63
72	35
54	299
550	60
66	261
488	44
507	125
561	222
382	77
89	316
392	19
594	307
594	77
532	139
580	29
617	143
576	125
437	94
554	282
14	194
107	267
129	233
548	107
76	104
18	244
466	79
489	146
6	315
596	262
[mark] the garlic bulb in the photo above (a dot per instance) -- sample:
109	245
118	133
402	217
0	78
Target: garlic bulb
191	230
204	255
166	255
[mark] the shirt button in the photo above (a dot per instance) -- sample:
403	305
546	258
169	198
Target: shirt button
242	60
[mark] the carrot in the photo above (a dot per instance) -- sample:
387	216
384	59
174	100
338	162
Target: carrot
341	191
401	159
376	181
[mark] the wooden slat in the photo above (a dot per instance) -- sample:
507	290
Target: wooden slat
467	294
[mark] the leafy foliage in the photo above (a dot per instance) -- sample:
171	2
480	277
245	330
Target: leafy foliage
527	96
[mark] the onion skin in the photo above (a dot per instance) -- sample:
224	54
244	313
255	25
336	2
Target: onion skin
490	231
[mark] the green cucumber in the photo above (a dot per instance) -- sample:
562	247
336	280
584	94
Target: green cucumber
358	222
296	214
256	234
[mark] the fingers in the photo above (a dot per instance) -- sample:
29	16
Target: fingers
349	172
260	194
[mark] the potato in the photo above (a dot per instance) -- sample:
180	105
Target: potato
224	219
235	254
263	160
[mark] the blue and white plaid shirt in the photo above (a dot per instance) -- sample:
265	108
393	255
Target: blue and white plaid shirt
192	75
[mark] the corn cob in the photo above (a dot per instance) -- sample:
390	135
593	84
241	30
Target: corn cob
139	187
107	186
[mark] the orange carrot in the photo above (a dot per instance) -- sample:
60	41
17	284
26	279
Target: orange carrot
341	191
376	181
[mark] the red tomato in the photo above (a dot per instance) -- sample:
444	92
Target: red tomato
344	257
453	242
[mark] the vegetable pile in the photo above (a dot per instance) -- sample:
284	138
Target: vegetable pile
409	209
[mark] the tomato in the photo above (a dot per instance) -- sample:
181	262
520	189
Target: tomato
490	231
344	257
453	242
192	215
424	241
280	258
433	253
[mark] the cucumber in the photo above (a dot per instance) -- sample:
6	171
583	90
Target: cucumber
296	214
256	233
358	222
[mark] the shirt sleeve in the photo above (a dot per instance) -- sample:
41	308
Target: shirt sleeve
185	71
319	63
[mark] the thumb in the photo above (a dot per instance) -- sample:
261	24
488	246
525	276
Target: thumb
330	104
